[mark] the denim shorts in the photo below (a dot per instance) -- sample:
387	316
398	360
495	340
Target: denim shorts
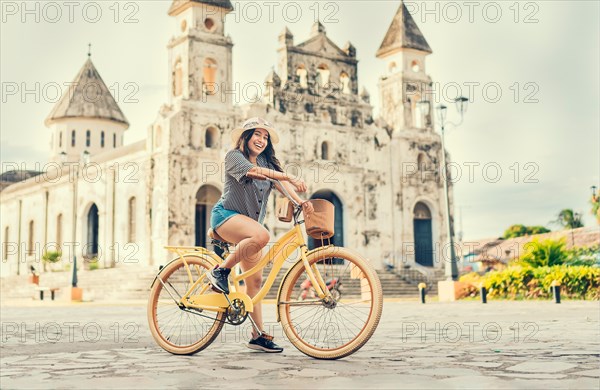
219	215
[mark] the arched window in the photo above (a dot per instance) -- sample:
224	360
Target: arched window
392	67
209	73
325	150
87	138
210	137
415	66
323	72
114	140
209	24
72	137
59	231
60	139
5	249
178	78
345	82
421	163
302	74
421	211
30	250
131	220
102	139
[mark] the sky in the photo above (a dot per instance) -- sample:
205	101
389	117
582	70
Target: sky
529	145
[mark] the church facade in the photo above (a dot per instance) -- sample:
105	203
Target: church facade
121	204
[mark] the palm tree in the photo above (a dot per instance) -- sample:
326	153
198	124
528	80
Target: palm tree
568	219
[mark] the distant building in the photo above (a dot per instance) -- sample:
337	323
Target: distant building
498	252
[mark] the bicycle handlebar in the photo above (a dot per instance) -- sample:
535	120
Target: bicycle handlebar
285	192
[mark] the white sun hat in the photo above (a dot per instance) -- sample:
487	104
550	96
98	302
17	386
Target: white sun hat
254	123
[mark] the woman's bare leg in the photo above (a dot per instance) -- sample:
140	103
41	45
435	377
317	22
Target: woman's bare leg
253	285
249	235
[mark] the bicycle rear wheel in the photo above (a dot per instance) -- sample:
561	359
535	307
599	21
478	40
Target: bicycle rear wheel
340	328
179	330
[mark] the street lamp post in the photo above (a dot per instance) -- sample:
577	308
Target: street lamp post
85	158
595	206
576	223
451	268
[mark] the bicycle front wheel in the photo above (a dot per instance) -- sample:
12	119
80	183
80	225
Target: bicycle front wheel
176	329
331	330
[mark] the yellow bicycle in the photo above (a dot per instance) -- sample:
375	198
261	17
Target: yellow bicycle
336	320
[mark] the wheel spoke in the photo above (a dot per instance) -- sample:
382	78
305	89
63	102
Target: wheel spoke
317	327
176	329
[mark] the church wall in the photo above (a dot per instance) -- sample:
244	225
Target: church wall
95	186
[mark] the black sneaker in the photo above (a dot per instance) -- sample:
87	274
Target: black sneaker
264	343
218	277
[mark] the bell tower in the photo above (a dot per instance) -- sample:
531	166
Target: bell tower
404	82
86	119
418	210
200	53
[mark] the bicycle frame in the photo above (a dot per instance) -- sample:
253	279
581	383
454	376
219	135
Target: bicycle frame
278	254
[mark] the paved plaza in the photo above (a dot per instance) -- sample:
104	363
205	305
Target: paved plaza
501	345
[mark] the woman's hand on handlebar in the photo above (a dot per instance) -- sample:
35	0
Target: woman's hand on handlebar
307	207
299	184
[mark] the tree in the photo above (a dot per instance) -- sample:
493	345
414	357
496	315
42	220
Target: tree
569	219
595	201
537	230
545	253
522	230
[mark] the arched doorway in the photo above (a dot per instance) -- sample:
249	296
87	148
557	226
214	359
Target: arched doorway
206	197
92	232
338	237
423	235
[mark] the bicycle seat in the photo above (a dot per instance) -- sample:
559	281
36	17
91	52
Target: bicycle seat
214	236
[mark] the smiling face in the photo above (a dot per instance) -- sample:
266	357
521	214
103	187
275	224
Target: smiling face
258	142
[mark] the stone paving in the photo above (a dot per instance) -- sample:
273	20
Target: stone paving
501	345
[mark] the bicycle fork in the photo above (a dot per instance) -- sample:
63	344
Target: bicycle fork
315	277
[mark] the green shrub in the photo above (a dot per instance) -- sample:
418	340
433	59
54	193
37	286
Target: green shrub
92	263
52	256
578	282
544	254
583	255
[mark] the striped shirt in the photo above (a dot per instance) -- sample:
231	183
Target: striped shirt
242	194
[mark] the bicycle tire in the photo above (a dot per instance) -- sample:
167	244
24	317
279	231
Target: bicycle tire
293	313
164	331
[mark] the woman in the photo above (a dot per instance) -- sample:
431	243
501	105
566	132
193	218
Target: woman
238	215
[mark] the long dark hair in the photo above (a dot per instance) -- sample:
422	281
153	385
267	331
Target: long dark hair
269	152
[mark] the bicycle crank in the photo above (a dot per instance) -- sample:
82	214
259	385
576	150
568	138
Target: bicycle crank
236	312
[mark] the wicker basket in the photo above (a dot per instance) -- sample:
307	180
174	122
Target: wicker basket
319	224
